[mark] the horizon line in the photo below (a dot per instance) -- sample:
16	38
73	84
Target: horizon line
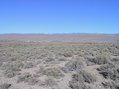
59	33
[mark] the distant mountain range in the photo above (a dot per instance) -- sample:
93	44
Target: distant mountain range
79	37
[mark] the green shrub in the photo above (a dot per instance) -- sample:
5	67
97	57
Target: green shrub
109	71
74	65
64	69
50	59
10	66
116	84
50	82
82	77
115	59
107	67
111	85
19	64
67	54
87	77
6	66
27	78
1	63
28	65
78	85
5	86
38	62
10	74
36	75
62	59
11	71
54	72
23	77
32	81
111	74
40	83
13	58
40	71
100	59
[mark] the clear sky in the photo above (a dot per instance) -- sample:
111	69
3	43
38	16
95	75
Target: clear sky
59	16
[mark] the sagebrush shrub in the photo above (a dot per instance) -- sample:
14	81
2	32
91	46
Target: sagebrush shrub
5	86
100	59
67	54
111	74
74	65
49	81
54	72
82	76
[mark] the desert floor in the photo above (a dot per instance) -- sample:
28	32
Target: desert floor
58	65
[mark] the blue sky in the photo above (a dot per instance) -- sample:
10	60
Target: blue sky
59	16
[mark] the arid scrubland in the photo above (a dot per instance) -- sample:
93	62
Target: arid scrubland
58	65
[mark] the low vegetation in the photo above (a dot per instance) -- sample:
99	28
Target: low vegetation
51	64
5	86
99	59
54	72
49	81
74	65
